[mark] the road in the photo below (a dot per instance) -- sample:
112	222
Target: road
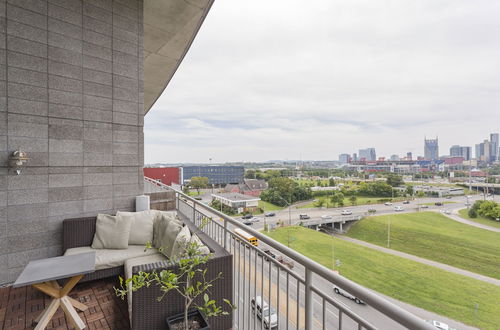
251	282
368	313
292	215
251	285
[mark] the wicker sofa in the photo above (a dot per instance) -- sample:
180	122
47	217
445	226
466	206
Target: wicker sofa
146	313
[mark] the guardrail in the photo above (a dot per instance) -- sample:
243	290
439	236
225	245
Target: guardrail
298	293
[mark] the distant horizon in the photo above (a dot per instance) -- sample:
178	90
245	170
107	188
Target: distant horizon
351	75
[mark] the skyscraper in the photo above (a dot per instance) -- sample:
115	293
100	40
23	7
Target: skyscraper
368	154
344	158
431	149
459	151
455	151
494	147
466	153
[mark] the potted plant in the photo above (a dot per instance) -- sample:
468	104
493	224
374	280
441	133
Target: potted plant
189	281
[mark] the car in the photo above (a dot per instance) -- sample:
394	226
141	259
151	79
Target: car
247	216
270	214
326	217
398	208
372	210
272	255
387	203
468	204
346	294
255	219
346	212
448	197
438	204
446	211
264	312
247	222
424	206
304	217
440	325
406	202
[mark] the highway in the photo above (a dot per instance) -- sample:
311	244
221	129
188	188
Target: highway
251	282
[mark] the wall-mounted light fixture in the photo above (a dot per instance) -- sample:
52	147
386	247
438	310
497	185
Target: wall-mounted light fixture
18	160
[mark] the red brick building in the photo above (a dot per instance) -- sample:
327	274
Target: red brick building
166	175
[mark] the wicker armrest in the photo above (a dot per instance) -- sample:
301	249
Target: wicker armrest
148	313
78	232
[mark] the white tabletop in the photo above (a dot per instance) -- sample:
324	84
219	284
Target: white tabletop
56	268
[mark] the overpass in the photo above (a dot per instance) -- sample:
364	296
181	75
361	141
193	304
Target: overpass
335	222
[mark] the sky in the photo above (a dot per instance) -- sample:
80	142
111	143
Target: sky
308	80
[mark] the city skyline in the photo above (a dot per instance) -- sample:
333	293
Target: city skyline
352	76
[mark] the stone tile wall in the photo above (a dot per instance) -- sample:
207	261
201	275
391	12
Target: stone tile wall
71	96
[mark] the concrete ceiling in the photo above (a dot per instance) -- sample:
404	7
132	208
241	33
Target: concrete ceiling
170	27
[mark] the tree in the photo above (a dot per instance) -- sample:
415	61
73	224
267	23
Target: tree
409	190
250	174
198	182
353	199
331	182
319	203
283	191
337	198
394	180
489	209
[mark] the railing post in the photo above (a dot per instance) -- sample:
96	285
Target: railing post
224	241
194	213
309	300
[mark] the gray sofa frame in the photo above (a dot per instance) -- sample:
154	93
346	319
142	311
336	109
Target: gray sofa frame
147	312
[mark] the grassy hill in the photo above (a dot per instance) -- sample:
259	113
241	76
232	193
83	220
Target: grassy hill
482	220
424	286
434	236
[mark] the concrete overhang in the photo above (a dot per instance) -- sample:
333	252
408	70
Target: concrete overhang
170	27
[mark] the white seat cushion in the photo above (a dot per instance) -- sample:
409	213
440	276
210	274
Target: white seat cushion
111	232
129	264
141	229
109	258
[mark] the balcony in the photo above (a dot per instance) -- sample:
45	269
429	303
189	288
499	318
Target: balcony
302	295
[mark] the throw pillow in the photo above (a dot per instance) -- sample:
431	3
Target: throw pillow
160	226
141	230
167	239
202	248
111	232
180	244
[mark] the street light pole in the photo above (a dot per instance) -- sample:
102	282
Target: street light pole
389	231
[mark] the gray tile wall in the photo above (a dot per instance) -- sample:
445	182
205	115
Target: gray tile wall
71	97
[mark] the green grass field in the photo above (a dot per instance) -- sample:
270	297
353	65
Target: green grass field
424	286
482	220
361	200
266	206
433	236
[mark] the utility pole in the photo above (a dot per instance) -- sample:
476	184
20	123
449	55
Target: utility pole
389	231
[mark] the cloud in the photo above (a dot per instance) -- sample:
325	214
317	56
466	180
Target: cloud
293	79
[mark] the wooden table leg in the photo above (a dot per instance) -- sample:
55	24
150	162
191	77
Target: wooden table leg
78	305
61	299
71	314
47	314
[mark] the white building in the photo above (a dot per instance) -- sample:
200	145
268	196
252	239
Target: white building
238	202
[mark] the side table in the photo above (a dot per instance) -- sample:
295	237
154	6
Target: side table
43	275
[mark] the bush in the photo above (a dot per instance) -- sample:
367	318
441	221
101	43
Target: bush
472	213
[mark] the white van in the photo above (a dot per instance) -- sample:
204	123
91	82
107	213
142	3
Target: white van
261	307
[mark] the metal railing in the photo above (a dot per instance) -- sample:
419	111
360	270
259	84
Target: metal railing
300	289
